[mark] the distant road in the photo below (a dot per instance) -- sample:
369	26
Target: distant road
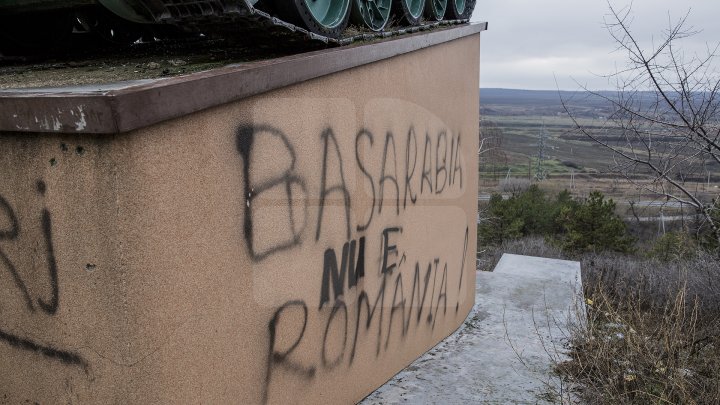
486	197
669	218
645	203
656	203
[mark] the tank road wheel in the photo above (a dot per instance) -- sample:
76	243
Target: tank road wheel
435	9
459	9
324	17
373	13
410	10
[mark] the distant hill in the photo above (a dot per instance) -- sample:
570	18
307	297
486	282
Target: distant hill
512	102
513	96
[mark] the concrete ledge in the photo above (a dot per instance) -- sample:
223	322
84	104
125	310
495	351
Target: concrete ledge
122	107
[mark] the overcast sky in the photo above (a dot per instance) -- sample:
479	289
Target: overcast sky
529	41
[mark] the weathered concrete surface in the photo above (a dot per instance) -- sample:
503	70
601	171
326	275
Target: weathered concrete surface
505	351
297	246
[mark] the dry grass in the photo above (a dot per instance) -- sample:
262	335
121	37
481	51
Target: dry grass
653	328
628	353
650	283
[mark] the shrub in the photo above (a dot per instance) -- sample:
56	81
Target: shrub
514	185
673	246
530	212
577	225
593	225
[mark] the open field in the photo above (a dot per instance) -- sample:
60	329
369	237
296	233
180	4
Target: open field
652	327
512	125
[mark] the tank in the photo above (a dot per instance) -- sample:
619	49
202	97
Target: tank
26	24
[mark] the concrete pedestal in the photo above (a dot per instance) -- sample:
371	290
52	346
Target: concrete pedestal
288	231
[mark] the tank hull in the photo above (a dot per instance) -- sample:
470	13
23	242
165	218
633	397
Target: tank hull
324	20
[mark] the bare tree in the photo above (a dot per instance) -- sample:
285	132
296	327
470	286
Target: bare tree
663	126
490	152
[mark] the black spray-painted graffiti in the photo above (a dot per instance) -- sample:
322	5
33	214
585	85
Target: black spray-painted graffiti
432	166
48	306
429	282
353	266
388	182
247	136
440	161
338	187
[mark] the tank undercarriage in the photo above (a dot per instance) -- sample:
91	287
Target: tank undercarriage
42	24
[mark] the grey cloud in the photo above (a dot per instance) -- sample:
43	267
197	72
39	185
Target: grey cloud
529	41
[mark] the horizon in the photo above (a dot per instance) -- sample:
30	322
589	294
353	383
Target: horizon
547	90
563	44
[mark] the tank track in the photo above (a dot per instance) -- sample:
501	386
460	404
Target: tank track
246	18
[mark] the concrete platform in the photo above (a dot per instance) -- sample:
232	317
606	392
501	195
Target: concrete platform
505	351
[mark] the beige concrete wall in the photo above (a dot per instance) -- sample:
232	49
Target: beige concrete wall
301	246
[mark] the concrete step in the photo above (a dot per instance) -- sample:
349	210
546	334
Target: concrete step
506	349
